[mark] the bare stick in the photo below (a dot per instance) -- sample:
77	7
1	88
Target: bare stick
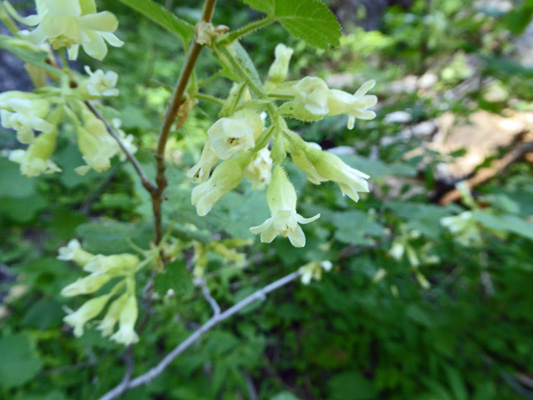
170	117
215	320
207	294
146	182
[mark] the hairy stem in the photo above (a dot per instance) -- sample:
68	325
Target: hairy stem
246	29
193	338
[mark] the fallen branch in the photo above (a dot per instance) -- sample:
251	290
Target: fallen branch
485	174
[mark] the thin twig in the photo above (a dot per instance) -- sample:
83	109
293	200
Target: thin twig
215	320
207	294
149	185
170	117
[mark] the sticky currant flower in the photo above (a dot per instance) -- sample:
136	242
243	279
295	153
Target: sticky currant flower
321	166
126	139
95	144
200	172
235	134
356	105
126	334
99	84
117	263
259	172
311	99
112	315
25	116
35	160
86	285
85	313
313	270
464	228
67	23
284	219
280	67
225	177
74	252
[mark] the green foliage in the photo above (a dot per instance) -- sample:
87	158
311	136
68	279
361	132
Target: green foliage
368	330
309	20
162	17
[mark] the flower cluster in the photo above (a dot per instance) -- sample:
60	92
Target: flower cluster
36	118
241	140
103	269
313	270
71	24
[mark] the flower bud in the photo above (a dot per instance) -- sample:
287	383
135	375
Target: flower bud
259	172
225	177
126	333
235	134
280	67
112	264
313	270
86	312
74	252
35	160
89	284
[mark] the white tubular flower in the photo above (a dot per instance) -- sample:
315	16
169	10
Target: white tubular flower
226	177
200	172
311	98
111	317
35	160
235	134
464	228
281	198
331	168
74	252
313	270
259	172
126	333
25	116
356	105
100	83
86	312
89	284
67	23
96	144
114	264
280	67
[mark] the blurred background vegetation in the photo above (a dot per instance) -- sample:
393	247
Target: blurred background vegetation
455	85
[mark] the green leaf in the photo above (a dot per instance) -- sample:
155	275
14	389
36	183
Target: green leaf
28	53
12	183
112	237
509	223
163	18
174	277
309	20
353	227
20	360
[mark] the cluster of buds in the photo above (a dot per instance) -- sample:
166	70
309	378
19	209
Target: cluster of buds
102	270
241	140
70	24
464	229
36	118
